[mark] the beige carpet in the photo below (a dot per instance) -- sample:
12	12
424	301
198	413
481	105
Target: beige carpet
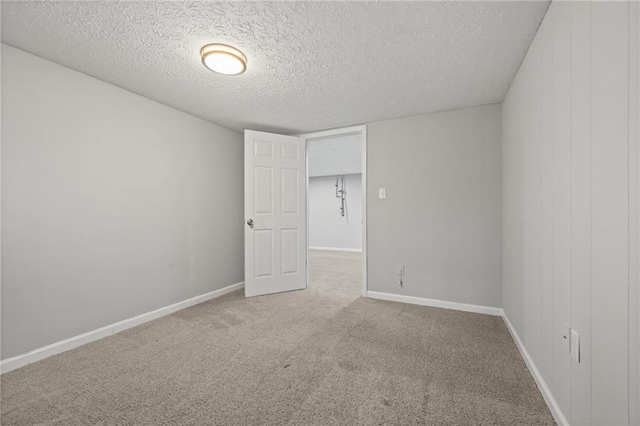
321	356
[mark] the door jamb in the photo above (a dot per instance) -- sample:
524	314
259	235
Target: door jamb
343	131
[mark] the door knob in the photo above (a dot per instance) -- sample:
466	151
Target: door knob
250	222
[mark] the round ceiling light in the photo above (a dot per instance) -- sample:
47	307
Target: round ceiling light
223	59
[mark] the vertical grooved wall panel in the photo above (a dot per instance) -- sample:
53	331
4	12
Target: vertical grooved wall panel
532	204
560	14
610	212
634	213
581	208
571	208
546	199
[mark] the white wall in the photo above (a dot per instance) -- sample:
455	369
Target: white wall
569	251
113	205
327	228
442	217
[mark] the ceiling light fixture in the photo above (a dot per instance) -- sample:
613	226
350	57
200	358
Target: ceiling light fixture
223	59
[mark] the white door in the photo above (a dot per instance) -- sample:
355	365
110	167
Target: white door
275	235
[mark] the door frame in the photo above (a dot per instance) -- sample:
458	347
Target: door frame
324	134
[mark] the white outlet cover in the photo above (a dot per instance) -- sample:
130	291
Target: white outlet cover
575	346
382	193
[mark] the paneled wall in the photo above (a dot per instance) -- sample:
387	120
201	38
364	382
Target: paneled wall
570	190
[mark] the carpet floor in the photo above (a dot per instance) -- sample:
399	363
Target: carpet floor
320	356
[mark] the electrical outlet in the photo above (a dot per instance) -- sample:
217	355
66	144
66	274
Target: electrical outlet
575	346
400	269
382	193
566	335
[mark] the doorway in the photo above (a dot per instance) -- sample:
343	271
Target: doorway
336	210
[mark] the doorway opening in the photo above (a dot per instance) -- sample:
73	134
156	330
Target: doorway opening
336	211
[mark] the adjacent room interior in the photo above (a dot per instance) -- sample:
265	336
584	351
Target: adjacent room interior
320	213
336	206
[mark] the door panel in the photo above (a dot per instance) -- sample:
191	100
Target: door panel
263	189
275	243
290	251
290	199
263	253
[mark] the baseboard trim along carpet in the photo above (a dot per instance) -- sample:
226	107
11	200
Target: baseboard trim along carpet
336	249
16	362
489	310
542	385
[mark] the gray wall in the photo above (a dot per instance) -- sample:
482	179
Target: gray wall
442	217
570	207
634	212
113	205
327	228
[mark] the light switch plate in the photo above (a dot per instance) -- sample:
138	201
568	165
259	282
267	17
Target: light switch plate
382	193
400	269
575	346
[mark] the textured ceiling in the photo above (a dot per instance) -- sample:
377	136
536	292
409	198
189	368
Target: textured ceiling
340	155
311	65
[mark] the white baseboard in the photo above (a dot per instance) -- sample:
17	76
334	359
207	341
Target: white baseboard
542	385
479	309
16	362
336	249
